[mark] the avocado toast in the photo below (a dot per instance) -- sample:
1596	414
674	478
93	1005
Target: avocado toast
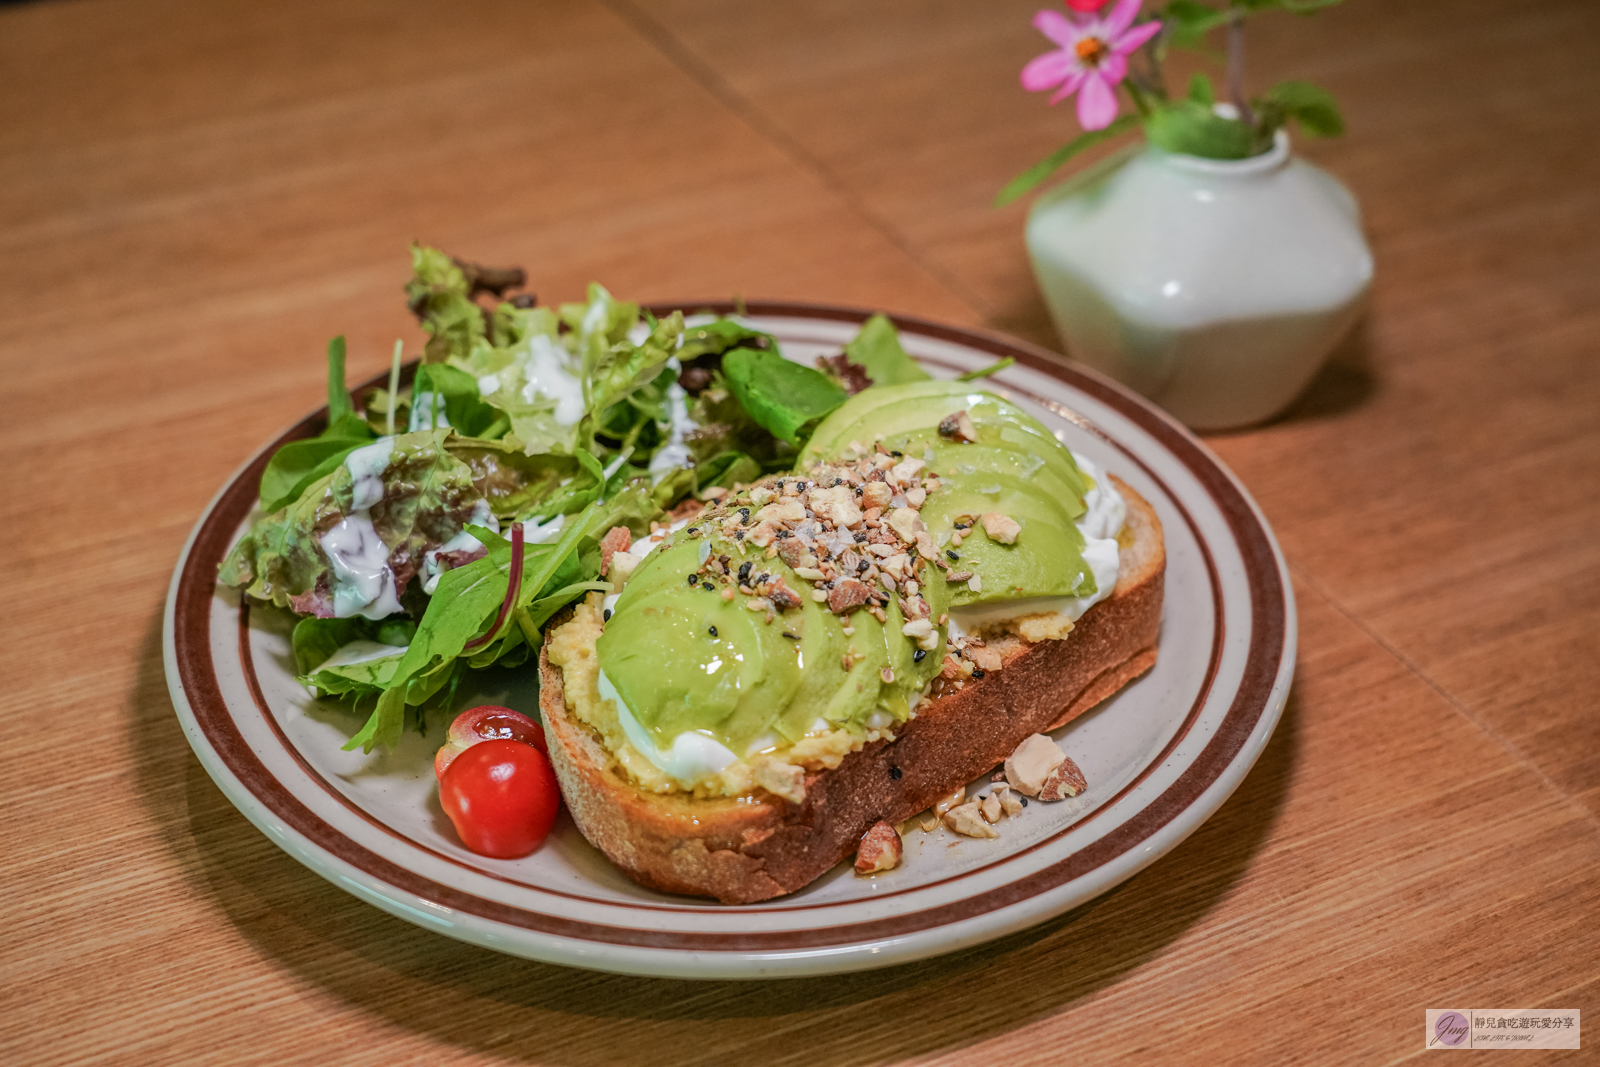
845	645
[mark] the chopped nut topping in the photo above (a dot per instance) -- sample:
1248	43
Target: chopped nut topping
846	596
990	808
1001	528
880	849
944	805
1010	803
967	820
1064	780
617	539
1029	766
958	427
782	779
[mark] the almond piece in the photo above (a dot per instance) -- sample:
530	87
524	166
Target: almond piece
1030	764
876	495
1009	801
782	780
967	820
847	595
958	427
1001	528
1064	780
955	798
617	539
990	808
879	849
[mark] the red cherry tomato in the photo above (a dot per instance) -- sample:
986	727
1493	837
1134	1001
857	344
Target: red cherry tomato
502	797
483	724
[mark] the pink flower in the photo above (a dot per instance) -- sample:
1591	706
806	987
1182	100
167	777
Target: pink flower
1092	59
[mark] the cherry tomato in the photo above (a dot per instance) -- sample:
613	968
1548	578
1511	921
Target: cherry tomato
483	724
502	797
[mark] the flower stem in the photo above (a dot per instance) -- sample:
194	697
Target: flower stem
1236	70
1140	104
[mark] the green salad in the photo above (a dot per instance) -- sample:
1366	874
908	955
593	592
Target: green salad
393	534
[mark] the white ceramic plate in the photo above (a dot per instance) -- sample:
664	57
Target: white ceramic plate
1160	757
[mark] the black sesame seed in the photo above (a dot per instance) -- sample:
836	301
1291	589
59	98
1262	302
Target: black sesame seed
708	587
744	513
861	538
693	530
738	535
863	567
919	655
952	556
744	570
763	578
896	455
895	772
605	616
713	631
694	579
977	672
1024	801
784	533
837	482
790	636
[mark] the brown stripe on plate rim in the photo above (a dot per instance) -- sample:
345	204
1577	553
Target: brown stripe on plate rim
196	670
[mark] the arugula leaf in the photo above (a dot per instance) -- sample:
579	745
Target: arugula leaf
454	395
784	398
299	463
467	600
877	349
1036	174
1191	128
726	469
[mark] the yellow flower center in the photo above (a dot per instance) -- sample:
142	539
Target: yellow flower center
1091	50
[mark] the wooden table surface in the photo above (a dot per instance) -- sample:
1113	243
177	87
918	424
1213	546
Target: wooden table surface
195	195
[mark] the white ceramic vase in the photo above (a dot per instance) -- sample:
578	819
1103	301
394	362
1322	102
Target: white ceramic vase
1214	287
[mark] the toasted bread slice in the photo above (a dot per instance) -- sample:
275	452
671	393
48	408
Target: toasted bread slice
746	849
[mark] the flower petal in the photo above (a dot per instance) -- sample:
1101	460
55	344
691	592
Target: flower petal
1069	86
1113	68
1056	26
1097	103
1135	37
1120	19
1046	71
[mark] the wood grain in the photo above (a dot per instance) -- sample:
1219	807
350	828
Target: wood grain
193	197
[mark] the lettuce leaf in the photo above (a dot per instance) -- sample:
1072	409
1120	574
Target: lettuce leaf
877	350
428	495
784	398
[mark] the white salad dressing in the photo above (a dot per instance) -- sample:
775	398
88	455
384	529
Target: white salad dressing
692	756
461	542
427	412
1099	524
363	584
546	375
674	454
366	466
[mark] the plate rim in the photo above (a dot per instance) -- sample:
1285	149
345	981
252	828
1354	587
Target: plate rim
1228	754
